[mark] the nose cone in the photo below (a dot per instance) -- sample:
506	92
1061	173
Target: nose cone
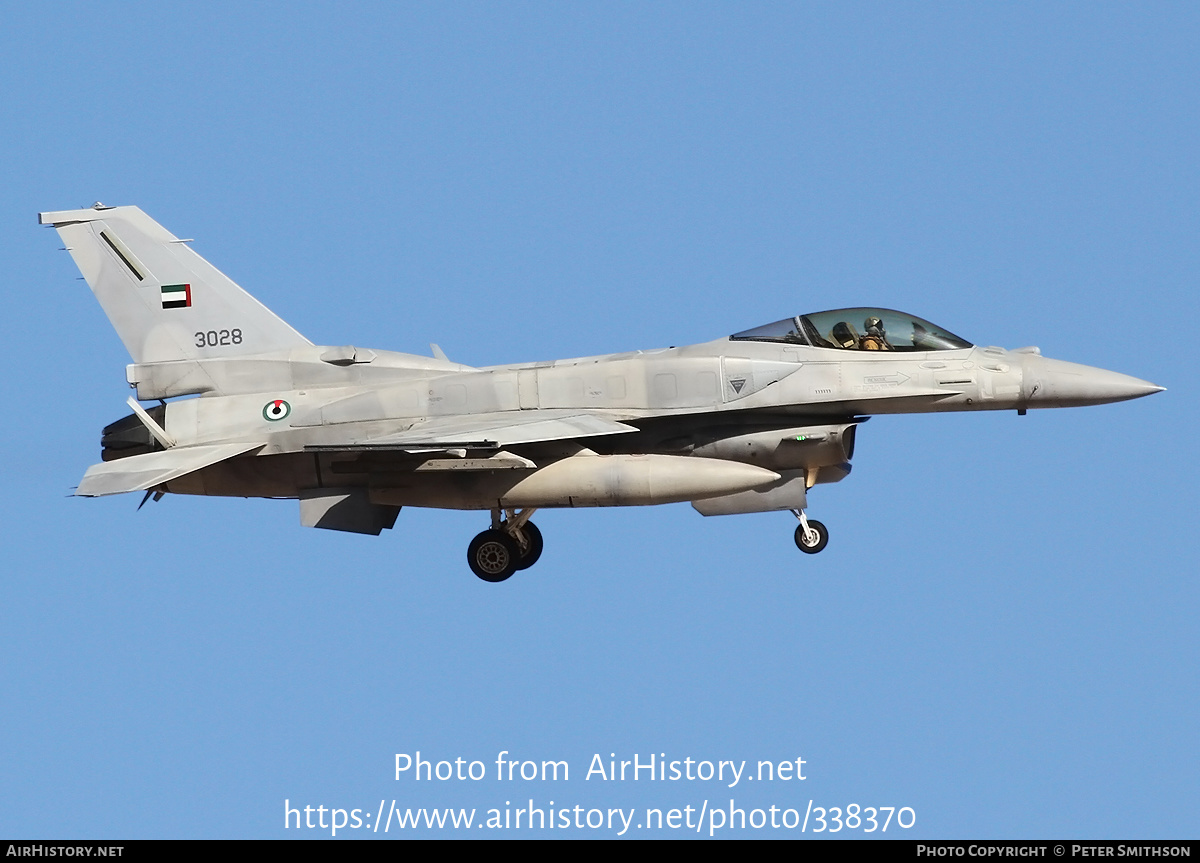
1053	383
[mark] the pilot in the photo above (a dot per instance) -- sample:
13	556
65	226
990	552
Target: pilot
875	339
844	336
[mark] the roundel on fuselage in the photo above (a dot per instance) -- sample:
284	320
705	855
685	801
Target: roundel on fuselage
275	410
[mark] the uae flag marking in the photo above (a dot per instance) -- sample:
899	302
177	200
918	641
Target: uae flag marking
176	296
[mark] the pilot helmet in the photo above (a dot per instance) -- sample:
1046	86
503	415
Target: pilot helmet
873	325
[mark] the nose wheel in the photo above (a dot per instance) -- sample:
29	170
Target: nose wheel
811	535
511	544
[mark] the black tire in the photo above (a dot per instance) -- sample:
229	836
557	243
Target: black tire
531	555
492	555
822	537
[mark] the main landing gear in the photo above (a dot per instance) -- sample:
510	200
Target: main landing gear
511	544
811	535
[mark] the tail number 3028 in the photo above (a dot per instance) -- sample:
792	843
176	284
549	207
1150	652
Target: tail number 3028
216	338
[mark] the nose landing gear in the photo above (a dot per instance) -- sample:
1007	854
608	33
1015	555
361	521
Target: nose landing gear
511	544
811	535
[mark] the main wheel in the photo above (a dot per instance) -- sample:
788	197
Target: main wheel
534	551
493	555
803	542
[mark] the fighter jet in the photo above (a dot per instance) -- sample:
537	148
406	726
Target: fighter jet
749	422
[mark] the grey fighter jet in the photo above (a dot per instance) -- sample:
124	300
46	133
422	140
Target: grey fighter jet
745	423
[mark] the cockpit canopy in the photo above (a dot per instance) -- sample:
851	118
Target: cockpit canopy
857	330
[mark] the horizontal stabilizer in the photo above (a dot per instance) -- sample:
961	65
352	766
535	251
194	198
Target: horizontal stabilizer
141	472
488	430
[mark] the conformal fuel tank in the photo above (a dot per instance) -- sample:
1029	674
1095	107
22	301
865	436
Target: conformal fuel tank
584	480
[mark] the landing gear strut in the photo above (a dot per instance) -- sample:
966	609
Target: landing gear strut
811	535
511	544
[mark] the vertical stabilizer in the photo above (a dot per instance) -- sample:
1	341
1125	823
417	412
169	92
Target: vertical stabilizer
165	301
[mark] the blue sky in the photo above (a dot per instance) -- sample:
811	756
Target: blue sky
1001	634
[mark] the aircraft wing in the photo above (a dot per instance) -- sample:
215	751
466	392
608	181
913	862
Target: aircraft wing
141	472
487	431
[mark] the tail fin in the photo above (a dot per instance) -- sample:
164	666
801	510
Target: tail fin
165	301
